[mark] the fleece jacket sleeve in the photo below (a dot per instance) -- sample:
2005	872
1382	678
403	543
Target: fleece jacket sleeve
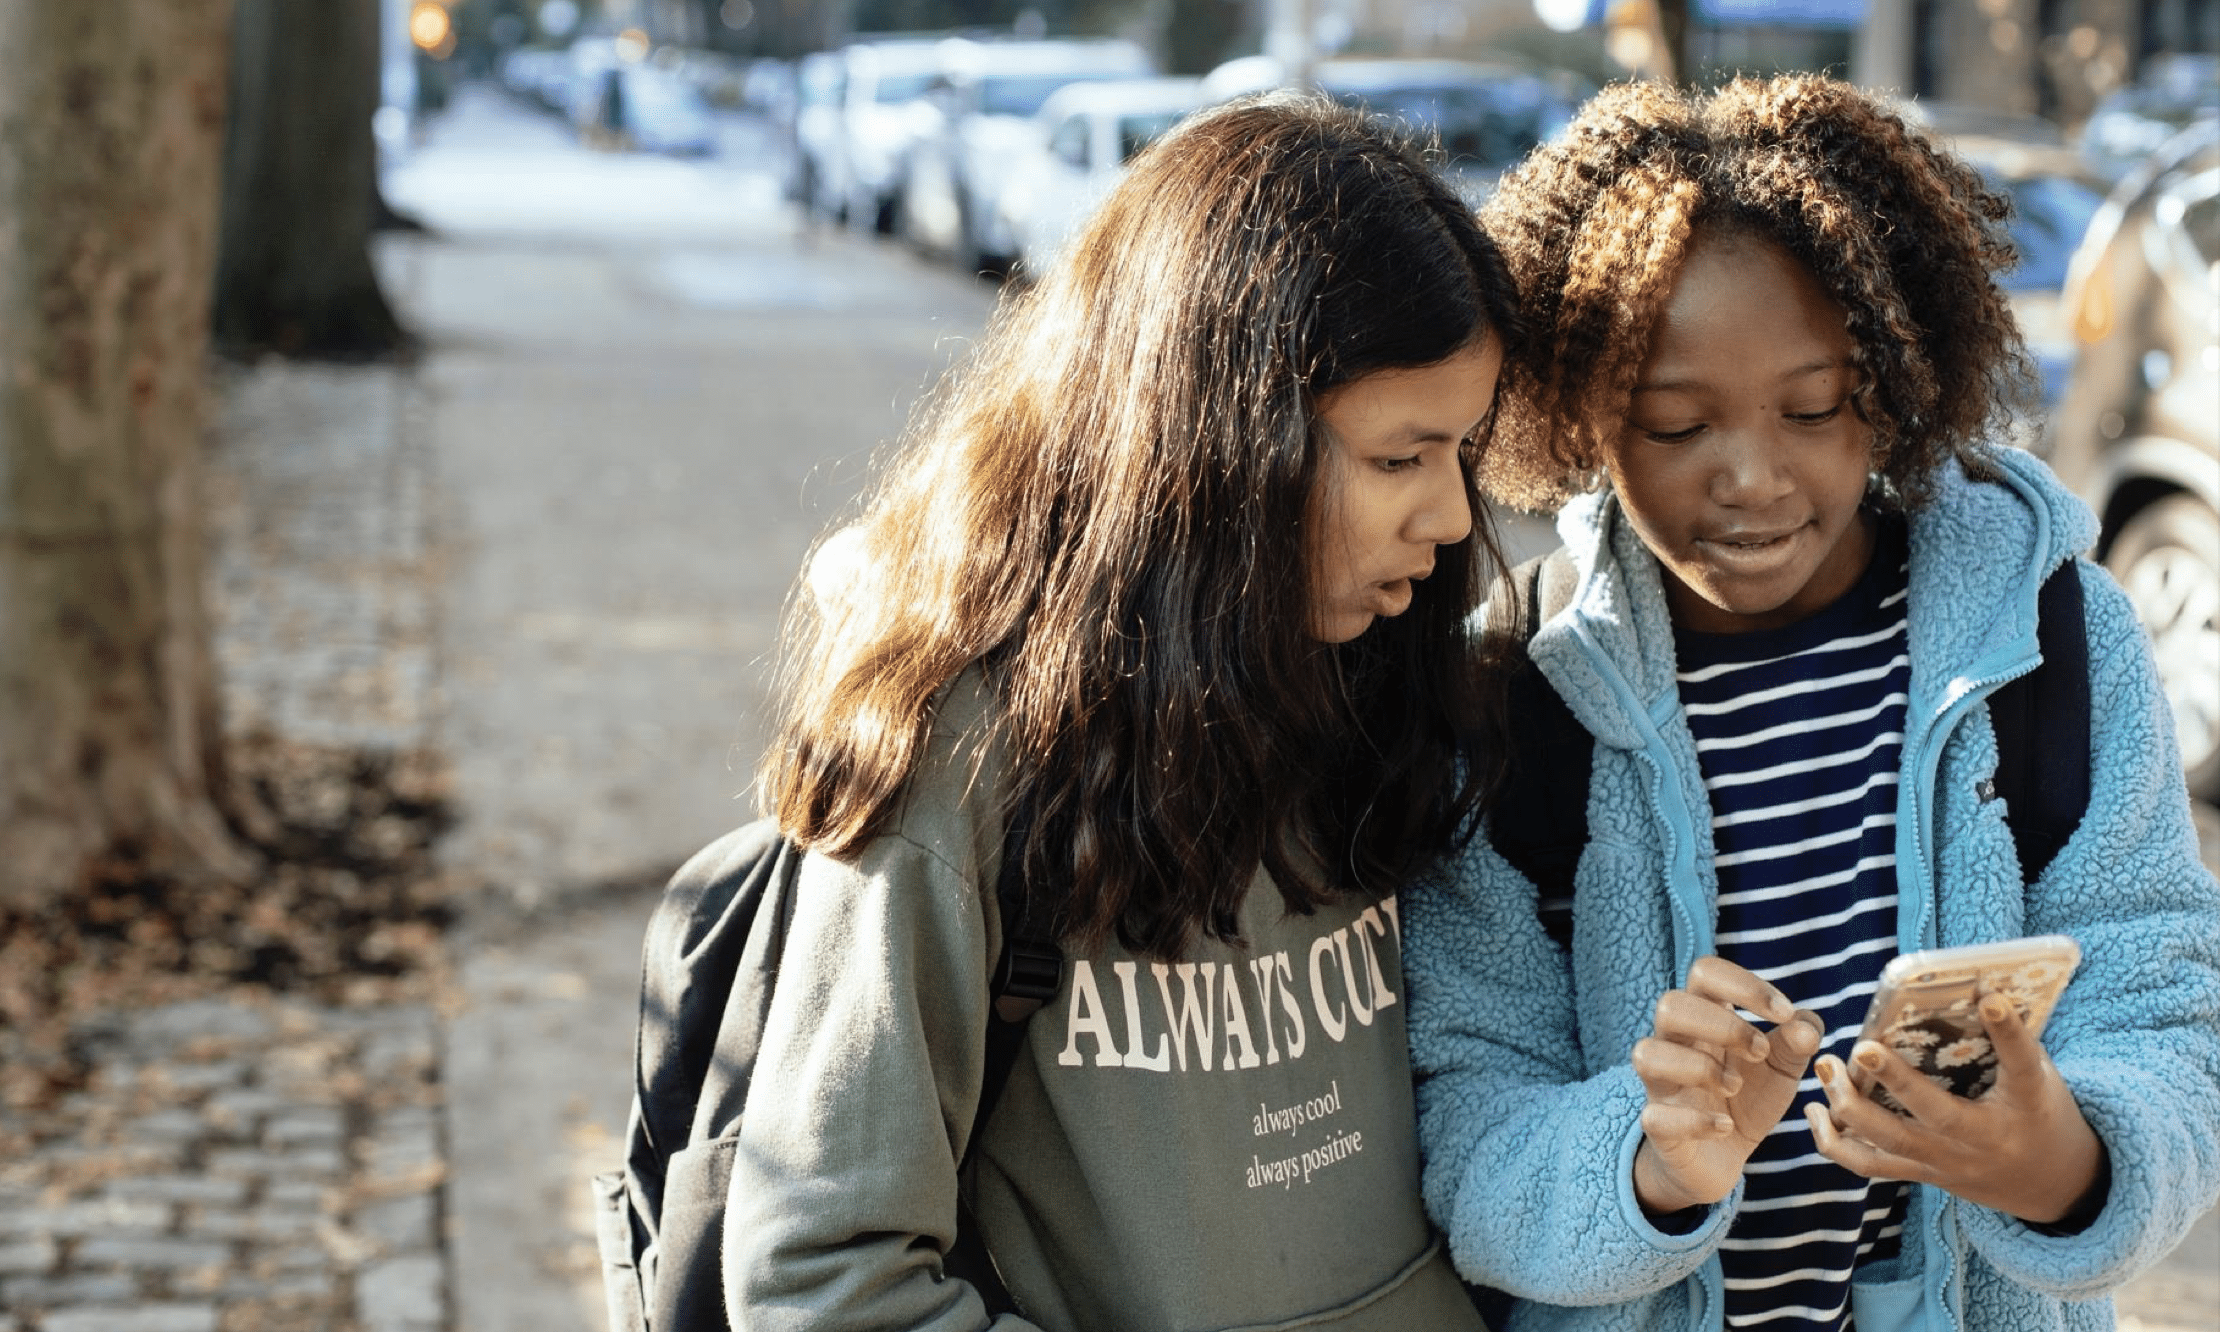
844	1188
1528	1161
2137	1036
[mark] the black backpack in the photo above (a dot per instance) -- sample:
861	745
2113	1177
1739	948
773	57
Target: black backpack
1539	819
709	964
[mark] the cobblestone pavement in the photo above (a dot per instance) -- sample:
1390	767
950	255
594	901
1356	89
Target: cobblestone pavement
237	1165
240	1163
324	564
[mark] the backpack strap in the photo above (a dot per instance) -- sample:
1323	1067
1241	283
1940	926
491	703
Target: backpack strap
1027	974
1540	818
2042	729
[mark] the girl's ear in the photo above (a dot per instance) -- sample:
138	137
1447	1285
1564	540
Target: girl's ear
1588	473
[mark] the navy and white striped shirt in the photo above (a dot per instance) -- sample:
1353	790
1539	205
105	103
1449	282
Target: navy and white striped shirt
1798	731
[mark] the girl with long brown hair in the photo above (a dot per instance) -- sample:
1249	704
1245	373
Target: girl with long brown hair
1172	577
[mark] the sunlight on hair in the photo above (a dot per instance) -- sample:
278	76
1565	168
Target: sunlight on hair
837	569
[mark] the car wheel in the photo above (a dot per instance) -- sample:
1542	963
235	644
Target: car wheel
2168	558
871	213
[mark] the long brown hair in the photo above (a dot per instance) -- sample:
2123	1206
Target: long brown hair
1104	510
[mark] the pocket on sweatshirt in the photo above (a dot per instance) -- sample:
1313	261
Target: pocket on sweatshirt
1888	1306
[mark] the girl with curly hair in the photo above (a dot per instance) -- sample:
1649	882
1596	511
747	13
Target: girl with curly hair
1768	387
1172	578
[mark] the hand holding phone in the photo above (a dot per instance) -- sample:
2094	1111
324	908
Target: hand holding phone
1926	1010
2017	1141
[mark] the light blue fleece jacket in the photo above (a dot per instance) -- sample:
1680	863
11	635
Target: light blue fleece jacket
1528	1107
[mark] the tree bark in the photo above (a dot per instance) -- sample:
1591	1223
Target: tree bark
110	742
293	275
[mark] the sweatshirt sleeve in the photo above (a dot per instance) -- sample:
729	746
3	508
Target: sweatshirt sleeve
2137	1035
844	1187
1527	1163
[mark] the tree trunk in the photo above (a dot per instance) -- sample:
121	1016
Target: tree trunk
110	742
1672	29
293	275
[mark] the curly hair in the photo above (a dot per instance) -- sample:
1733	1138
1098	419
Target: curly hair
1901	234
1106	510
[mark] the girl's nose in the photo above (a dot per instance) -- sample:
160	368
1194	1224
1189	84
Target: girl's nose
1749	474
1446	517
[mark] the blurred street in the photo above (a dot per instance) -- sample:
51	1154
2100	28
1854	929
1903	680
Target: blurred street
646	395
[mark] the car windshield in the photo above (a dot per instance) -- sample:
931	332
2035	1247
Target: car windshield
1139	130
2050	214
1486	124
1022	94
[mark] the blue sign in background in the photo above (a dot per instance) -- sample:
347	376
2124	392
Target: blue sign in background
1797	13
1784	13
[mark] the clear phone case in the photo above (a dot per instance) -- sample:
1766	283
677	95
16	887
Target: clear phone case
1927	1008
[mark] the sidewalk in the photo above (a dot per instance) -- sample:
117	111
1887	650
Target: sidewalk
240	1163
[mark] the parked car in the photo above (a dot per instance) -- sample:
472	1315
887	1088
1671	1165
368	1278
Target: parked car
2138	432
665	113
813	133
529	71
1962	120
1484	115
2054	197
2174	90
767	88
1089	132
985	117
882	117
576	85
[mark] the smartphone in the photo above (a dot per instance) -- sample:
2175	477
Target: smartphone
1928	1008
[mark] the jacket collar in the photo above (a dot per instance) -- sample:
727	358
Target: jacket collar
1979	552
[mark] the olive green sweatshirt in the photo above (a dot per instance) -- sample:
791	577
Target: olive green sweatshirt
1226	1142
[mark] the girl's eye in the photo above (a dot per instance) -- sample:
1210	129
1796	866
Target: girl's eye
1402	464
1815	418
1673	436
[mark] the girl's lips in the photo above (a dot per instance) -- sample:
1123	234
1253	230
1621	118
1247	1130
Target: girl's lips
1752	538
1391	598
1750	552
